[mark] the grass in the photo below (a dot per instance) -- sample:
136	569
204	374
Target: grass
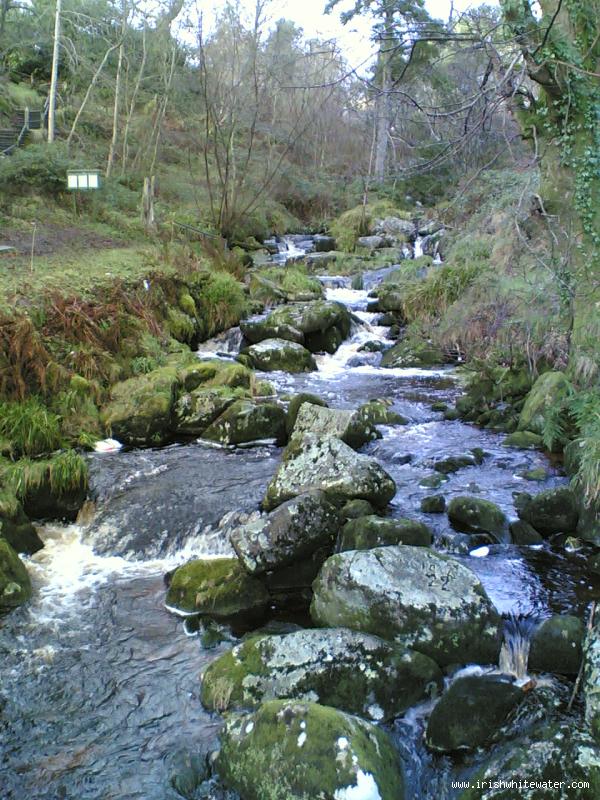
223	302
66	472
294	279
30	427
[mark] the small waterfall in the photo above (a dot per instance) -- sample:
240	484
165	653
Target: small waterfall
225	345
514	653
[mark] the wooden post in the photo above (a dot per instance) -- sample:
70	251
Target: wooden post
148	204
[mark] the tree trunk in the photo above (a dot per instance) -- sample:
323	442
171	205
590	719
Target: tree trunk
54	73
383	112
148	204
117	104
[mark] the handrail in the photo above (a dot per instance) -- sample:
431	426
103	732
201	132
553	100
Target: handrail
197	230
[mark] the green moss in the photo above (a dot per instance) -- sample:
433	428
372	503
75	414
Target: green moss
221	301
181	326
15	584
187	304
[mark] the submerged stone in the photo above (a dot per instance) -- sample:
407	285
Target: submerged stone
293	531
330	465
218	587
411	595
294	751
372	531
471	711
355	672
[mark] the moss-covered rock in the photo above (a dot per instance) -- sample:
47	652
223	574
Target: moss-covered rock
372	531
356	508
523	440
288	750
546	393
140	409
523	533
278	354
378	412
15	528
352	671
413	596
450	464
330	465
15	584
413	353
248	421
433	504
556	645
471	711
293	531
217	587
551	511
195	411
295	404
474	515
552	762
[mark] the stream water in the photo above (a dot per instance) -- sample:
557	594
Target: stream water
99	684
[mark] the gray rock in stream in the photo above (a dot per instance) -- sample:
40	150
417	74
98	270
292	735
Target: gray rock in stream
355	672
352	427
591	679
279	354
372	531
411	595
329	464
290	533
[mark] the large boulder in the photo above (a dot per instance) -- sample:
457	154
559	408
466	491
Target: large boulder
15	584
412	353
401	230
296	404
329	464
349	426
289	750
551	511
556	645
374	242
218	587
554	761
352	671
15	527
471	711
279	354
195	411
411	595
248	421
474	515
140	409
365	533
546	393
291	532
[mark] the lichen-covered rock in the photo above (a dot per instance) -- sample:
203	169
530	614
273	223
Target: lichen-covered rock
15	584
296	403
195	411
355	672
289	750
591	678
349	426
546	393
556	645
329	464
555	761
257	330
248	421
551	511
15	527
140	409
218	587
411	353
293	531
471	711
278	354
474	515
413	596
372	531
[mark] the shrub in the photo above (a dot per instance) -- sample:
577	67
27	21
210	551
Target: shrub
39	166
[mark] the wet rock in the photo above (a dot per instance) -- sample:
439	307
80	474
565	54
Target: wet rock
591	678
412	353
278	354
330	465
323	244
372	347
291	532
432	481
471	711
15	527
452	464
554	760
378	412
140	409
546	393
248	421
474	515
356	508
352	671
556	645
294	407
15	584
196	410
294	750
187	772
537	474
217	587
439	406
411	595
351	427
523	534
549	512
389	300
368	532
434	504
524	440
